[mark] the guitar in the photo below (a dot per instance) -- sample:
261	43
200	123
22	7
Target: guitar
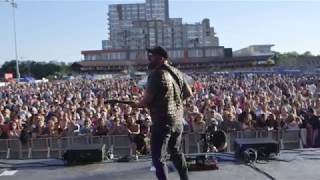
114	101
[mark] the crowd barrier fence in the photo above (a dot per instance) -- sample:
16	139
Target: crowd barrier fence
120	145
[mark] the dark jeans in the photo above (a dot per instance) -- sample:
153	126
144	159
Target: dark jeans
165	137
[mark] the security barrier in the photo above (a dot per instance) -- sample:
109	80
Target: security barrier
120	145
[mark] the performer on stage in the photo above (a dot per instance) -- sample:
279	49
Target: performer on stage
164	95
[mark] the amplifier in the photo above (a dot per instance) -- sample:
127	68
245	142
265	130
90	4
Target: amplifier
263	146
82	154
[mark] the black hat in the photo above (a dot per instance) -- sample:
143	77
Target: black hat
159	51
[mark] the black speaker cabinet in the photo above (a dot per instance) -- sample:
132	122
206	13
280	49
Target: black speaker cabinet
264	146
83	154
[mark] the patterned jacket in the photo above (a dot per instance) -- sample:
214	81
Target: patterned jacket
167	86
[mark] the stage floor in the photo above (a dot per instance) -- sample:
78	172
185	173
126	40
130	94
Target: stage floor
291	165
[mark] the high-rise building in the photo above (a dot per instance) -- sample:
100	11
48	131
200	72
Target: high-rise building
199	35
121	18
138	26
157	10
135	27
106	44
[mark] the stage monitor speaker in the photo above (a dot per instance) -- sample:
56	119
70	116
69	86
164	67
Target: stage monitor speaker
83	154
263	146
202	163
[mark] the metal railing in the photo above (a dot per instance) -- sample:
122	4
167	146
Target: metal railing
120	145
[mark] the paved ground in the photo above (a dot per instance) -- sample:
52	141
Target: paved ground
291	165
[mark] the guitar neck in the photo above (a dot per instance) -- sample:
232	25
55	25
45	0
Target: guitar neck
114	101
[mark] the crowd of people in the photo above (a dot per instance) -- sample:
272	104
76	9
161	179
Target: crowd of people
233	103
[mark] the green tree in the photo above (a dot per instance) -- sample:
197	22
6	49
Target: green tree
307	54
35	69
290	58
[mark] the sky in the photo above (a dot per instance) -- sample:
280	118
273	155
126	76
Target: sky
59	30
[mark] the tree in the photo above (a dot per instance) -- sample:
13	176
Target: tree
8	67
290	58
35	69
307	54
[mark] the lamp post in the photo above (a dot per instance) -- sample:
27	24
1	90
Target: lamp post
14	5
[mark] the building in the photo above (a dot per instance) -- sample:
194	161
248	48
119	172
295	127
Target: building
143	25
135	27
199	35
176	54
106	44
157	10
199	58
197	64
120	18
255	50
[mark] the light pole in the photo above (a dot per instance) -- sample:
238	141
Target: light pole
14	5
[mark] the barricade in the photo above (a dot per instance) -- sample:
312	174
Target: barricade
4	147
120	145
192	143
290	139
55	148
15	149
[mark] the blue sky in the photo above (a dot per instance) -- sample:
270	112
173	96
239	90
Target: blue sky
60	29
